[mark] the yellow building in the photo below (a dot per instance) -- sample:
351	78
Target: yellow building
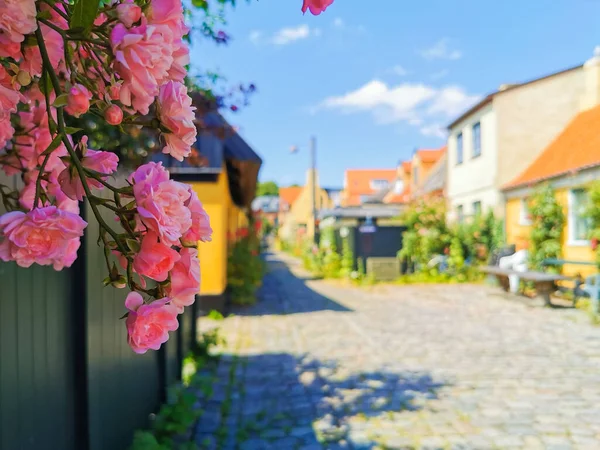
569	164
298	217
226	185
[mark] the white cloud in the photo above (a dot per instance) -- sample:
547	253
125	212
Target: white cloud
285	35
256	36
441	50
441	74
451	101
338	22
413	103
434	130
399	70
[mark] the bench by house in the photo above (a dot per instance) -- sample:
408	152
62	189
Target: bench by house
545	283
591	284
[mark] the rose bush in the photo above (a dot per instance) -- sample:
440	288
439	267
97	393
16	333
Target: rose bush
124	63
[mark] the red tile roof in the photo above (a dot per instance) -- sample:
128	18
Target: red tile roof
431	156
407	166
289	194
393	198
358	182
576	147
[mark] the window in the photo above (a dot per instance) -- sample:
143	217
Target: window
579	225
365	198
398	187
476	208
416	175
460	213
459	148
378	185
477	140
524	214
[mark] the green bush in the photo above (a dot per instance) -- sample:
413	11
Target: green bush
245	268
548	220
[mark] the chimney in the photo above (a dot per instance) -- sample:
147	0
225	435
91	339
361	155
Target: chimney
591	87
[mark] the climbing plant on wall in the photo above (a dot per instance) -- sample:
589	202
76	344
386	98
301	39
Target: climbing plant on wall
548	220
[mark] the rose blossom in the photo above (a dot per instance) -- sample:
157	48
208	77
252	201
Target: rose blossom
17	18
185	279
41	236
316	7
113	115
148	326
102	162
154	259
129	13
200	229
78	101
143	56
176	113
161	202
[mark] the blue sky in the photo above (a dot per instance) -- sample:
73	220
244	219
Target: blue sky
373	83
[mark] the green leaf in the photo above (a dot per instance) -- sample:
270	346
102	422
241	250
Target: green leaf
84	14
61	100
53	145
72	130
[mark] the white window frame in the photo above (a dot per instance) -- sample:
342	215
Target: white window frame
384	184
572	242
524	213
478	126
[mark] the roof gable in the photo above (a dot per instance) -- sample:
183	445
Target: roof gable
576	147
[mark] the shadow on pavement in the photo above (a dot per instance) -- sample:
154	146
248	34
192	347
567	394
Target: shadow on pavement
280	287
280	402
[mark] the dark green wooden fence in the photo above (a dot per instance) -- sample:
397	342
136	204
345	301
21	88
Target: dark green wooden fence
68	380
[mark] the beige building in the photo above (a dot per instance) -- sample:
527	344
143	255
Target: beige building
503	134
296	218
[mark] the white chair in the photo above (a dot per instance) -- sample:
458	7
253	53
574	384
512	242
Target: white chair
516	262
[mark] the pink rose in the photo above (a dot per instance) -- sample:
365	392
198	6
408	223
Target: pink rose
41	236
155	259
113	115
161	202
32	58
169	14
176	113
200	229
316	7
148	326
17	18
8	48
181	58
105	163
129	13
78	101
143	57
185	279
9	96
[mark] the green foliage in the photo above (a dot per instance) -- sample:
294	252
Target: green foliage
592	212
145	440
176	417
84	13
548	220
245	268
267	188
456	257
332	262
312	258
347	258
427	233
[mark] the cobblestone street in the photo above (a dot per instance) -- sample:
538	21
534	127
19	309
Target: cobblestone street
316	366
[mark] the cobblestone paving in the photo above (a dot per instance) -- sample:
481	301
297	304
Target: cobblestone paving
319	366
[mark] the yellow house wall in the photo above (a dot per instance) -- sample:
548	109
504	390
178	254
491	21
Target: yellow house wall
225	218
515	232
